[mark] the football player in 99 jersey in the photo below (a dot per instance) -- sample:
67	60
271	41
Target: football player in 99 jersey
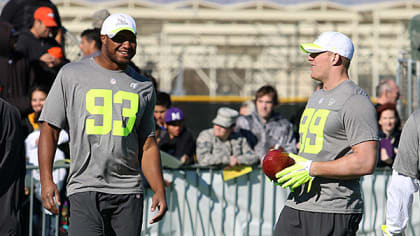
338	141
108	110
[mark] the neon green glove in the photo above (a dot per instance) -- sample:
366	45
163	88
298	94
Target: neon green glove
271	181
297	174
386	232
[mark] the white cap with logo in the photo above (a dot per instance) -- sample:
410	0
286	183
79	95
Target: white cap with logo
117	22
332	42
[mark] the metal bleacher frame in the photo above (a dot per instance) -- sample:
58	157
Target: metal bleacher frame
235	47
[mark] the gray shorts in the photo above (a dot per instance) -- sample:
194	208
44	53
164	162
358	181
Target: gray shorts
103	214
302	223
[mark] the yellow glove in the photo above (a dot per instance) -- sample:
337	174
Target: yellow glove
297	174
386	232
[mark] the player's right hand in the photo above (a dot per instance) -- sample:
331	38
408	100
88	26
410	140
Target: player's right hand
50	197
158	201
297	174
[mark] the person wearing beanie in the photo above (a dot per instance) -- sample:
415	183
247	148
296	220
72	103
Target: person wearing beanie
177	141
221	145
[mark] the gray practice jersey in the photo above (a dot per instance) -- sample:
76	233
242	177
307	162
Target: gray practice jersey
212	151
333	122
106	112
407	160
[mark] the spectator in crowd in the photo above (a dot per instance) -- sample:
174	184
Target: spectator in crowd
264	128
38	94
59	175
163	103
222	145
19	13
387	91
16	74
90	44
98	18
247	108
44	53
178	141
389	133
12	170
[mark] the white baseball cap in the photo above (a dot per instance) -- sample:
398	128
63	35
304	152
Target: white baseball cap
117	22
332	42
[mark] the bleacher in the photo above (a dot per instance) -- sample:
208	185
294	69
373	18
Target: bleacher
227	47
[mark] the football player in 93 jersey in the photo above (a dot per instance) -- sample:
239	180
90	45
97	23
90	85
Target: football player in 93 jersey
108	110
338	140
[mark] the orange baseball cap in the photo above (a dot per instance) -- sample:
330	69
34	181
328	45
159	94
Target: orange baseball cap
57	52
46	16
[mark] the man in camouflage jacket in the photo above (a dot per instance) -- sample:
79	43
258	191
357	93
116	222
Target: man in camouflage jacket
222	145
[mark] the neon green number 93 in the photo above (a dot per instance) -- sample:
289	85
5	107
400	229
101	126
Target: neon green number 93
105	110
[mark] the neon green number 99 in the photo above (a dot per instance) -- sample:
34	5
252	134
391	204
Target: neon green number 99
106	109
312	122
304	124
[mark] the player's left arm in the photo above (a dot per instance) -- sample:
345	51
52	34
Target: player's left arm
46	152
361	162
151	167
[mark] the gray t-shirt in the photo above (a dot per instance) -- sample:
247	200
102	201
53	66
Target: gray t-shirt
105	112
407	160
333	122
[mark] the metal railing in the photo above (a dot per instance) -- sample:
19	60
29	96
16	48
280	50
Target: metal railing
201	203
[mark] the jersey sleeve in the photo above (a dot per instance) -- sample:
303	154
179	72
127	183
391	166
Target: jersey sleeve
147	126
407	160
359	117
54	109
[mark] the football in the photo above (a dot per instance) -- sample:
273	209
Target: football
275	161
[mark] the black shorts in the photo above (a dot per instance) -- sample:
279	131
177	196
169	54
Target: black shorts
302	223
95	213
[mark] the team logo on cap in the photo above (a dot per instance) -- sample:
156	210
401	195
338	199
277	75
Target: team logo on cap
122	21
51	15
176	116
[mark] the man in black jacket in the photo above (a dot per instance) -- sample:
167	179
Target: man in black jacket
44	53
16	75
12	170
